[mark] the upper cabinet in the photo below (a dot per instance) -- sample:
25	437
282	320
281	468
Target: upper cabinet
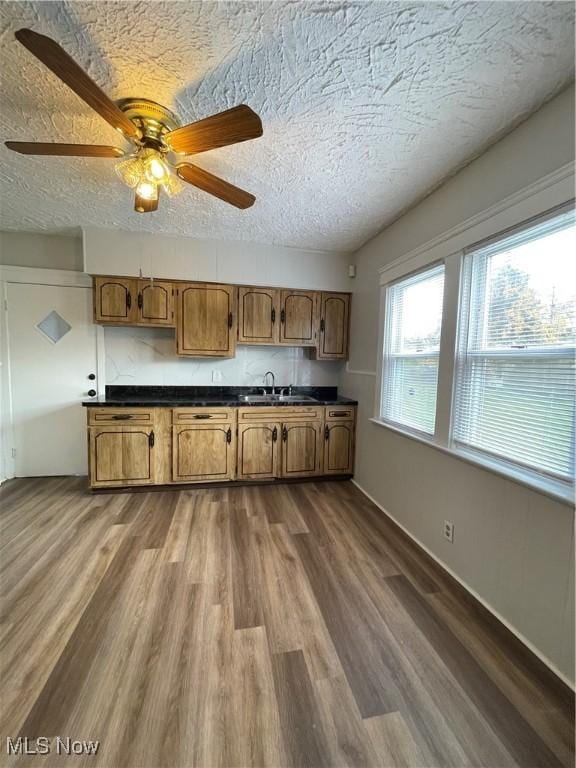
211	317
258	315
155	302
298	318
115	300
124	300
206	324
334	321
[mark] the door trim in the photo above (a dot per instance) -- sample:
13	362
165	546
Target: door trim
33	276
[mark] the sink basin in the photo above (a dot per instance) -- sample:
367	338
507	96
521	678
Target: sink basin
276	398
296	399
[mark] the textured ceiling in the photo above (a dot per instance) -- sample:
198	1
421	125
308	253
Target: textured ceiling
366	106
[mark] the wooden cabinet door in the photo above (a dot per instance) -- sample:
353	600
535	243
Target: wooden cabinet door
298	318
206	324
155	303
203	452
334	314
258	450
338	448
115	300
301	448
121	456
258	315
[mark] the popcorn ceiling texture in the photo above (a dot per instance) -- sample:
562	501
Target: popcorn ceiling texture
366	106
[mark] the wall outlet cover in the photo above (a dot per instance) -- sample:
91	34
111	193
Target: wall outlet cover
216	377
449	531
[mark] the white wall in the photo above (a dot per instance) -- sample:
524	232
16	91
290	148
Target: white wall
25	249
113	252
147	356
513	546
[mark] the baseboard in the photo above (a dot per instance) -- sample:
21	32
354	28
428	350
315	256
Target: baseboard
532	648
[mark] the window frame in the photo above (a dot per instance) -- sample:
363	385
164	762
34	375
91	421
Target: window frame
451	332
387	355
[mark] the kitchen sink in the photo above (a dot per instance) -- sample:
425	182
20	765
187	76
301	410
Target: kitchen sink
276	399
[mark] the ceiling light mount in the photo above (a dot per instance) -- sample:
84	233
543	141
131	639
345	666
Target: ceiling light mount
153	119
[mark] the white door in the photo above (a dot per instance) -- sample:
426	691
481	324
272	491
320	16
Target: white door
52	353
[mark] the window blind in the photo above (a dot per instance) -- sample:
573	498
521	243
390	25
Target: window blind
411	350
515	366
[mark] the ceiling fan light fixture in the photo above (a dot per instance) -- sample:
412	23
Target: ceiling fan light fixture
156	168
147	190
172	185
130	170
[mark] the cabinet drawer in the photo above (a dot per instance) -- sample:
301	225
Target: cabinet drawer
279	413
202	415
335	413
119	416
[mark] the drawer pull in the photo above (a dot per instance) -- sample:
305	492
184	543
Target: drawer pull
202	416
339	413
122	416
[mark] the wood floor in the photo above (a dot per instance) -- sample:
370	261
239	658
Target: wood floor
288	625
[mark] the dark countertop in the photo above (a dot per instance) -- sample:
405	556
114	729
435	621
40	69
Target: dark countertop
174	397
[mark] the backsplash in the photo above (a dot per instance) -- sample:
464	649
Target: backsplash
147	356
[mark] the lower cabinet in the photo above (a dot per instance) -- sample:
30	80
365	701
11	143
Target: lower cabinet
338	448
203	452
301	448
122	456
258	451
204	444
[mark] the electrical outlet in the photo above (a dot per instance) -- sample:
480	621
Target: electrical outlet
449	531
216	377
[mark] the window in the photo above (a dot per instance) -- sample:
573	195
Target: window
411	350
514	395
479	352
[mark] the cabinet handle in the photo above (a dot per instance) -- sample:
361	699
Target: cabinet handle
230	320
273	316
322	325
275	434
202	416
151	439
128	299
283	316
140	300
122	416
284	434
229	435
326	432
339	413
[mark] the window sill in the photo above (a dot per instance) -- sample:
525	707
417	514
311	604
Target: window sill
555	489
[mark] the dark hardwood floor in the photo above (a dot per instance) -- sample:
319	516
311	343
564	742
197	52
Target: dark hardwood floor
285	625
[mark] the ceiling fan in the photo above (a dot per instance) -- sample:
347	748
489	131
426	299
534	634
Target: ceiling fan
153	130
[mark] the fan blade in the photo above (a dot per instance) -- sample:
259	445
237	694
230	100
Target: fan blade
63	66
142	205
68	150
214	185
229	127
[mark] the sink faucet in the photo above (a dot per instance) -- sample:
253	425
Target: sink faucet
270	373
